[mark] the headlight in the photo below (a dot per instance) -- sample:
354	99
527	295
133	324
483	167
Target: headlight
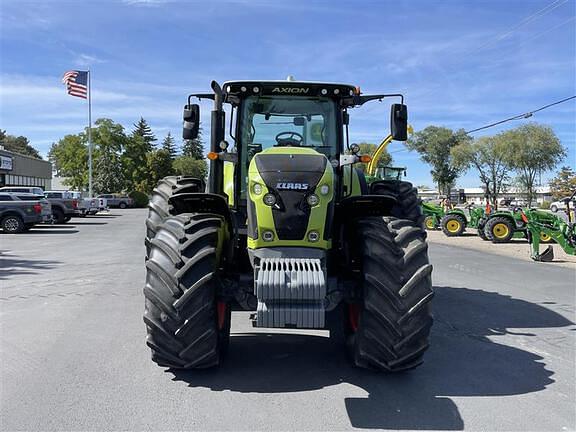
269	199
324	189
268	236
257	188
312	200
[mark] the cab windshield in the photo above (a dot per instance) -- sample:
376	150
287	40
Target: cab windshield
269	121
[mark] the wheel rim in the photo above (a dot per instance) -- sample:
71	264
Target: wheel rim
11	224
453	226
544	237
429	222
500	230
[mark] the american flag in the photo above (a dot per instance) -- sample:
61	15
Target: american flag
76	83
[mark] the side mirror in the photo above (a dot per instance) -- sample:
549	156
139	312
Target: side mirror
191	122
399	122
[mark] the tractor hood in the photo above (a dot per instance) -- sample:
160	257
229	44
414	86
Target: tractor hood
291	175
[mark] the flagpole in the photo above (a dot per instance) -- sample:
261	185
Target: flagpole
89	135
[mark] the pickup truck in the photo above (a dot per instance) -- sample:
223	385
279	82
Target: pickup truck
21	211
117	201
64	207
88	206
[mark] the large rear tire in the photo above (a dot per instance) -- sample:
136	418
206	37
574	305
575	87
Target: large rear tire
158	207
393	321
187	326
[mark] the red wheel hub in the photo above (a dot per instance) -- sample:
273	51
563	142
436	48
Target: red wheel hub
222	309
353	316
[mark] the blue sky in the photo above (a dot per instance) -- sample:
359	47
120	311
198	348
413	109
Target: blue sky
461	64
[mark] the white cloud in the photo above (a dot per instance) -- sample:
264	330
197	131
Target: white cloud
85	60
145	3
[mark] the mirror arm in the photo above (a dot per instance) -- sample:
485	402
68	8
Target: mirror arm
200	96
361	100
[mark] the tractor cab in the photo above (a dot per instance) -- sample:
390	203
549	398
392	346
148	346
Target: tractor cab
390	173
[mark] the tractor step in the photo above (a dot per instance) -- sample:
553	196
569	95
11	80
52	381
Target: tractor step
290	292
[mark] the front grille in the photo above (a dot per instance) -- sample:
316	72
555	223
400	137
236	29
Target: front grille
291	218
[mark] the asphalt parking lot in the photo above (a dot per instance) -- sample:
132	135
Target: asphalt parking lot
73	354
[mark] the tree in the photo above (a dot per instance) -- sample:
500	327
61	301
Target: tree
369	149
434	144
108	169
564	184
69	158
135	159
489	156
18	144
159	165
535	149
190	166
109	141
194	148
169	146
143	130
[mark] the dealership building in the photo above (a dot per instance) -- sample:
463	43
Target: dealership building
20	170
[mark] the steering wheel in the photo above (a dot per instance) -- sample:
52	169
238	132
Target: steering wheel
290	139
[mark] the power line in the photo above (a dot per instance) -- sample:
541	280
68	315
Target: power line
521	116
525	21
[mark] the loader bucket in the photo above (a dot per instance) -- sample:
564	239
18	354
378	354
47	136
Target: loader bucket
546	256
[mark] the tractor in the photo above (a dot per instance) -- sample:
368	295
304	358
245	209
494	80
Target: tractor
541	224
454	222
501	226
433	214
288	228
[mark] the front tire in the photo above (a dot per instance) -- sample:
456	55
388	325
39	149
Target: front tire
187	327
501	229
394	318
429	223
553	208
453	225
122	205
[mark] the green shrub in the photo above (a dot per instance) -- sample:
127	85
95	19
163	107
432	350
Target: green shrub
140	199
545	205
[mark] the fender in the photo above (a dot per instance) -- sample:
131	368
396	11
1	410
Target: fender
206	203
364	205
194	202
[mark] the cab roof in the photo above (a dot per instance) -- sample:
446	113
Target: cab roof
240	89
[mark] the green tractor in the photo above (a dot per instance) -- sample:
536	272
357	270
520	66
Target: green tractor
433	214
455	221
541	224
287	228
501	226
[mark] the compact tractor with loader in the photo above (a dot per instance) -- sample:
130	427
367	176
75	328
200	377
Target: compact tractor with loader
541	225
288	228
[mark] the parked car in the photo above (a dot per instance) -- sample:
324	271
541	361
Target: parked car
117	200
23	189
561	204
64	207
21	211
